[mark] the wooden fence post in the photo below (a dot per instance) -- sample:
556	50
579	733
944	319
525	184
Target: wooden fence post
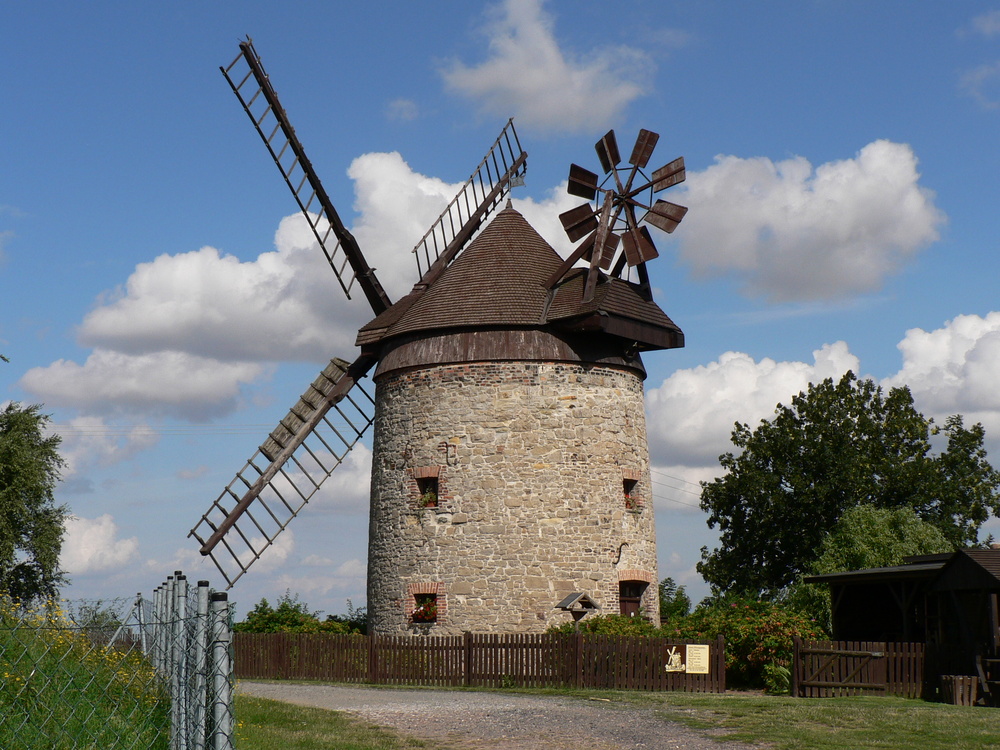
796	666
468	658
720	661
372	676
578	647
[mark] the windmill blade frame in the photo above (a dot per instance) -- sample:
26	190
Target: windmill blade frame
265	495
270	121
491	181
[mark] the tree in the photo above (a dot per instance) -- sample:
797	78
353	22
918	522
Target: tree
839	445
31	524
674	601
290	616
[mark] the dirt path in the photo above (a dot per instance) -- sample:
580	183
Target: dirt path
478	720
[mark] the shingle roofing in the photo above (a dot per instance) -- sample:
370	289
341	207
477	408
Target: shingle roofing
499	281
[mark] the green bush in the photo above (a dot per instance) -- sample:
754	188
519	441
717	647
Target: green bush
290	616
609	625
757	634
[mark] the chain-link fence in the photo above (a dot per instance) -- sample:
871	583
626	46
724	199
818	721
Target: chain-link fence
116	675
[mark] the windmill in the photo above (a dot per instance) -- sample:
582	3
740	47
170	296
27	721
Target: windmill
509	456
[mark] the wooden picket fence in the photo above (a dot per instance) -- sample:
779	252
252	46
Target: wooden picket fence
477	660
826	669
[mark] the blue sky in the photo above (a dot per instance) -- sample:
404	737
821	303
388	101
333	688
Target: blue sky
158	294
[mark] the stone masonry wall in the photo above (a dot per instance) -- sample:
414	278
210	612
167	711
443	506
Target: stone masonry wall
541	487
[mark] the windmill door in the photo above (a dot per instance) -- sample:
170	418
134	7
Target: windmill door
630	597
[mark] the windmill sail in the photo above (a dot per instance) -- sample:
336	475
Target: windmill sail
268	117
287	470
489	184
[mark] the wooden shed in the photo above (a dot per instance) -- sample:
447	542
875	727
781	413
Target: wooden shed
949	602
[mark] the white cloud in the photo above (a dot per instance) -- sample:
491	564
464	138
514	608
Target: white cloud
955	369
348	488
987	24
167	383
396	206
91	441
349	575
983	84
791	233
402	110
91	545
529	76
690	416
282	306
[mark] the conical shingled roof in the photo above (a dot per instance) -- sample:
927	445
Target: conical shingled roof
499	281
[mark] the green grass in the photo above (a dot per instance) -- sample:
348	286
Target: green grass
58	691
272	725
830	723
778	722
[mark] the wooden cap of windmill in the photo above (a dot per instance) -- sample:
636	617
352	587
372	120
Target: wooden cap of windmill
496	302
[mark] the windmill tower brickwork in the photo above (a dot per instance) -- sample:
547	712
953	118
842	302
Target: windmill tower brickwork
510	462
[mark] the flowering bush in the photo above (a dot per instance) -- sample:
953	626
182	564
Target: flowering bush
757	634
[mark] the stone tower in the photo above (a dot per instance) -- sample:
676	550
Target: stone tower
510	461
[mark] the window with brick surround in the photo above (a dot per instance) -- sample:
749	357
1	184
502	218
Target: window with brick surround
630	495
427	479
426	609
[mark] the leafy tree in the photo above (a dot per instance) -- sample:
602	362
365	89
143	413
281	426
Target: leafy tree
290	616
838	445
31	524
674	601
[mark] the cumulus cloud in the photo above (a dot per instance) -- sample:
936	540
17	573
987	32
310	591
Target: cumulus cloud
282	306
91	545
791	233
167	383
528	75
690	416
90	441
955	369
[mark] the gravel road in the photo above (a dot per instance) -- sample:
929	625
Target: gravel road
478	720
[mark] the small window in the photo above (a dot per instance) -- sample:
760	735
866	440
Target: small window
628	490
630	597
426	609
427	487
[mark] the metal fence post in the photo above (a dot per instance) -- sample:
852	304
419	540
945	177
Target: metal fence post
181	662
222	690
200	697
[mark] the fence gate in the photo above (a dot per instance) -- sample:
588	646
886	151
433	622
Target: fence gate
825	669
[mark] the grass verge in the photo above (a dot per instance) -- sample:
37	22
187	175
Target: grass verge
832	723
272	725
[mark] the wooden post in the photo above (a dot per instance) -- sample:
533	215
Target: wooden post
468	659
796	665
372	660
578	660
720	651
